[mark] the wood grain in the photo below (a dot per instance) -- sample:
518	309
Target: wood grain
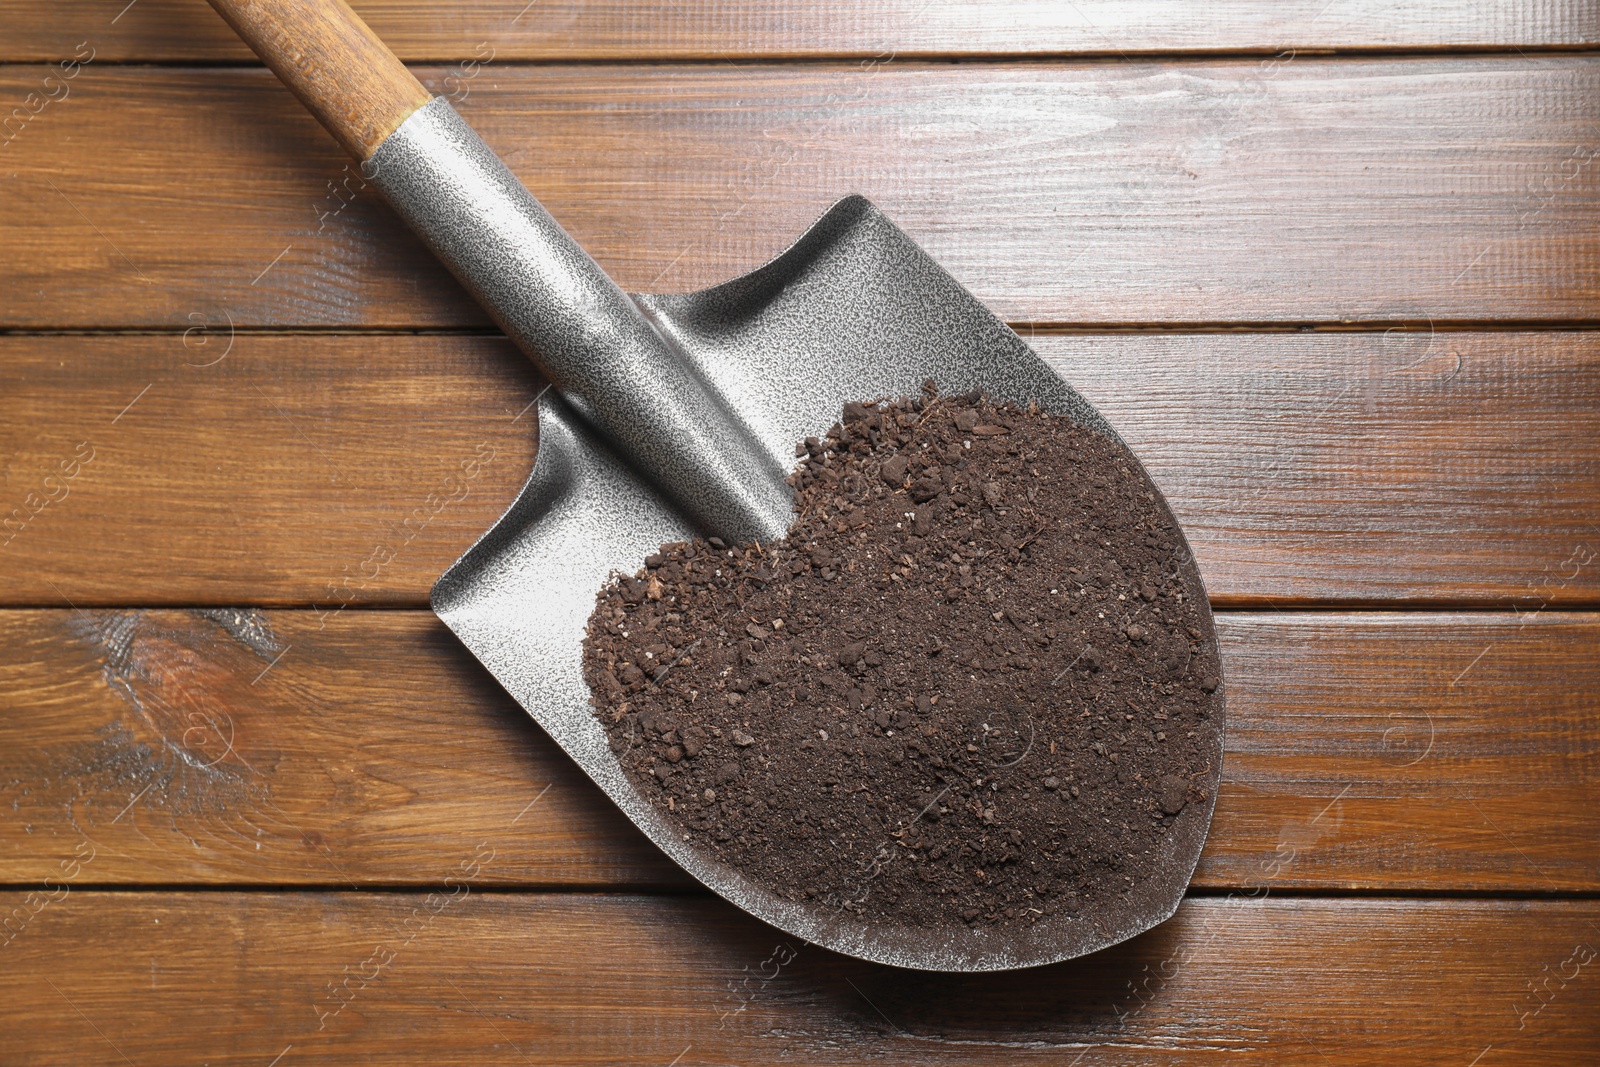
1287	191
1305	467
218	821
520	979
337	67
250	468
185	31
1391	752
297	747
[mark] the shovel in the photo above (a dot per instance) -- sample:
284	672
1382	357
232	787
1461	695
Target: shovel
672	416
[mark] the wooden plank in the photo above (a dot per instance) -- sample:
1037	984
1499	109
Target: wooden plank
280	469
297	747
1405	723
1306	467
521	979
1091	193
1392	752
186	31
170	31
1390	467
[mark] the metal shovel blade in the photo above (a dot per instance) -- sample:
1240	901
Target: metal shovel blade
852	311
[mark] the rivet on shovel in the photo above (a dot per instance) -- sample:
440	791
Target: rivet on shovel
671	416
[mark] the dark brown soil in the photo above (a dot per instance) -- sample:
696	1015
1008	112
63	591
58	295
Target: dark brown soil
978	681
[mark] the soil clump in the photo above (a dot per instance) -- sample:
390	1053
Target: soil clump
978	681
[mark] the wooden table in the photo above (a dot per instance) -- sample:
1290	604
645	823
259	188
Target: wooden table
1331	266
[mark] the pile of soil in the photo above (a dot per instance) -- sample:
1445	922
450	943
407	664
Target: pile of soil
977	682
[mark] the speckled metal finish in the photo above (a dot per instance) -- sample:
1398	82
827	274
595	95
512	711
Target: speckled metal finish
582	331
853	310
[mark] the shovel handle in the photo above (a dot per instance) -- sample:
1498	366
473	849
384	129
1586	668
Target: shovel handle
334	63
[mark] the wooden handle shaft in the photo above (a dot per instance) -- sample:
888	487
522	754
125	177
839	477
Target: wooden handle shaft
338	68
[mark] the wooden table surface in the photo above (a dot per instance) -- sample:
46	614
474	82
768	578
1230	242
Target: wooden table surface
1332	267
